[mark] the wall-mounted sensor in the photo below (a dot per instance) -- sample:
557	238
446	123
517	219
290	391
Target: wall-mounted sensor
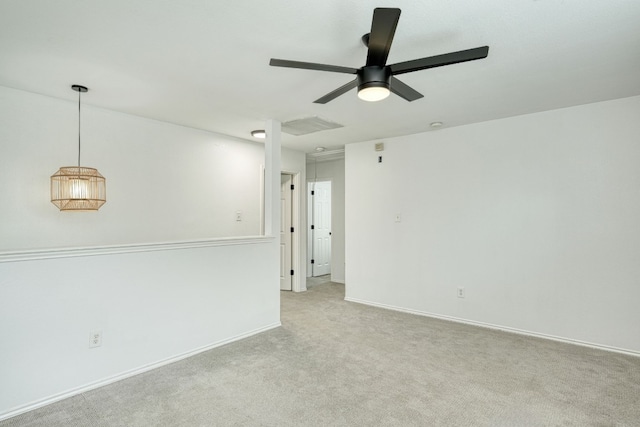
379	146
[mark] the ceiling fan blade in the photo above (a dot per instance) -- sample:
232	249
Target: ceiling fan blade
311	66
439	60
336	93
383	28
403	90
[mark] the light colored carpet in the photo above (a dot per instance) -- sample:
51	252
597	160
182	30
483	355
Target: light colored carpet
318	280
335	363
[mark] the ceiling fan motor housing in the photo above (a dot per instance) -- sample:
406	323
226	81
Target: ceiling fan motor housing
373	76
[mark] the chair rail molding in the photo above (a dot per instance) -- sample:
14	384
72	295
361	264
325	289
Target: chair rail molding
39	254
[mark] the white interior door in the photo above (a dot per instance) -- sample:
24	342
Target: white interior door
285	232
321	230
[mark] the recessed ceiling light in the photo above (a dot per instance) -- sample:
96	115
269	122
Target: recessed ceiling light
436	124
260	134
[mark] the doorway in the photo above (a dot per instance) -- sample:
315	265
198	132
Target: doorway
319	232
286	232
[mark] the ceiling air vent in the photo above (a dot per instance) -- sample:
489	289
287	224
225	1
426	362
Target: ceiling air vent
308	125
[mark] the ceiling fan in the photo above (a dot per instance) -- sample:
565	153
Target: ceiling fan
375	79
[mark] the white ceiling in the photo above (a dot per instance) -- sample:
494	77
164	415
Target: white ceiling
204	63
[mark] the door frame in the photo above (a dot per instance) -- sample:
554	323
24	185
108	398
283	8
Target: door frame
297	284
286	232
309	206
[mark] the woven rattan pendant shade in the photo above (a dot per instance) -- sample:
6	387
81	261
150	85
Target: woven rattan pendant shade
78	188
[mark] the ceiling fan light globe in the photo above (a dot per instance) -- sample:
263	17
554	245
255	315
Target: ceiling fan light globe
373	93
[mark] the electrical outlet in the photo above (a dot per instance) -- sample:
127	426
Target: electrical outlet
95	339
460	292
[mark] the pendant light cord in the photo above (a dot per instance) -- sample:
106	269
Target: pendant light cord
79	95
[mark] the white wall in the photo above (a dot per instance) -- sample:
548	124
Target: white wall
536	216
154	302
151	307
164	182
333	171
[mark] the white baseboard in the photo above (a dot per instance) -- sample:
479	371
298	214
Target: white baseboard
78	390
497	327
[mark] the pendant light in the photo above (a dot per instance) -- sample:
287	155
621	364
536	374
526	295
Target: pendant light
78	188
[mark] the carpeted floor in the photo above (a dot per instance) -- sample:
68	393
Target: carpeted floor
335	363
